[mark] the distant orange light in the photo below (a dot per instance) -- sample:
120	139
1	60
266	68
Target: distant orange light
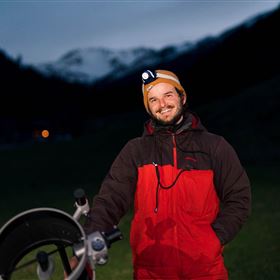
45	133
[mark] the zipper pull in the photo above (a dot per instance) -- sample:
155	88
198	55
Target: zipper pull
174	140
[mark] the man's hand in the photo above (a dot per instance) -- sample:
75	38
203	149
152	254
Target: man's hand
73	264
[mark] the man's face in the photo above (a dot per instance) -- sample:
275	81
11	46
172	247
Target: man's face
165	104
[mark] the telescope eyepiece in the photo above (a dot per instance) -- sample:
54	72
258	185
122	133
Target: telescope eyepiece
80	197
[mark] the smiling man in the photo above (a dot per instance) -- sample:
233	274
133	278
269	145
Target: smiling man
190	193
165	104
163	98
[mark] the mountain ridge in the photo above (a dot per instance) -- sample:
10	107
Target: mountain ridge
88	65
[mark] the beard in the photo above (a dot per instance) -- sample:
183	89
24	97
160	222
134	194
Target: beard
173	121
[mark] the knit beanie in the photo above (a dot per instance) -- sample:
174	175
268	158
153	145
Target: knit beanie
151	78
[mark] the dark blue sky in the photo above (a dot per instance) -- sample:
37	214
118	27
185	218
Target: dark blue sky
43	30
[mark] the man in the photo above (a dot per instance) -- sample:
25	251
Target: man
190	193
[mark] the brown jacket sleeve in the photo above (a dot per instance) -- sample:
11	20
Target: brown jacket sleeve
116	193
233	188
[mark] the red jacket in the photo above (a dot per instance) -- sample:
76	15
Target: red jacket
191	196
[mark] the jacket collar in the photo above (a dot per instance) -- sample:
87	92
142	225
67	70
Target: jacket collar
190	121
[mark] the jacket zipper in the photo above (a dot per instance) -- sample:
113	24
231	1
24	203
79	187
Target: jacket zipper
174	150
159	185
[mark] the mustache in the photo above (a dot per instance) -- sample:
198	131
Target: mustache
165	108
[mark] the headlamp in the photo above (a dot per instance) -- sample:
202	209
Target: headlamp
148	76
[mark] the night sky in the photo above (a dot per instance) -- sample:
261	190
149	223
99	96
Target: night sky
42	31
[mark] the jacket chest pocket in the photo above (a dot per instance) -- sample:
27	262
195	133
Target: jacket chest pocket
195	193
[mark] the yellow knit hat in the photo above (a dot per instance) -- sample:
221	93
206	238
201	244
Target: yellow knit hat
151	78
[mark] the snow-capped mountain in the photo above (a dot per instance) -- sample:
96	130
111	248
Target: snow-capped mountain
91	64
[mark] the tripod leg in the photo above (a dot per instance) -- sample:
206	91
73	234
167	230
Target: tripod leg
64	259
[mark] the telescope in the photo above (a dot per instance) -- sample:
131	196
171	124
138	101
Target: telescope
37	228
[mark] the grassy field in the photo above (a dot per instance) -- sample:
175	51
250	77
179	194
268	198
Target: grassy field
255	252
46	175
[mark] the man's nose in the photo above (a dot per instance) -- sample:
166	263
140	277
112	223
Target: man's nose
162	102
